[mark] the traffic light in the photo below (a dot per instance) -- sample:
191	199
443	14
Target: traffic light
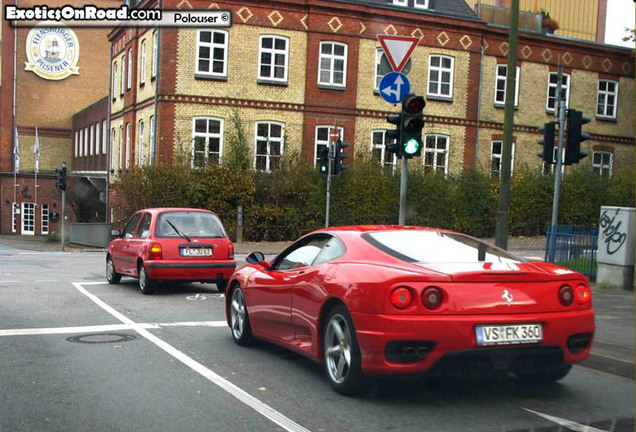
412	123
394	144
338	165
61	177
573	152
323	163
547	142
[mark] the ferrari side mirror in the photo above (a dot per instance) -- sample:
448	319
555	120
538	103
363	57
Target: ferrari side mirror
255	258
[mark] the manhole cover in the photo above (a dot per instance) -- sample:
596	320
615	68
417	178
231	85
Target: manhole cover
96	338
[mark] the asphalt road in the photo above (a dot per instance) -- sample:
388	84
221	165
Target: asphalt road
167	363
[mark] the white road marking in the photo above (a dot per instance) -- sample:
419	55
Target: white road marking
106	328
224	384
576	427
197	297
10	281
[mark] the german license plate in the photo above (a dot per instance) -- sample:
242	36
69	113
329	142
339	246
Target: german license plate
196	252
508	334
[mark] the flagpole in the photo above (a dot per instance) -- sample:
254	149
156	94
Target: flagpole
36	154
16	167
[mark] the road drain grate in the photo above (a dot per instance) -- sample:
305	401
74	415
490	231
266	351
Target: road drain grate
97	338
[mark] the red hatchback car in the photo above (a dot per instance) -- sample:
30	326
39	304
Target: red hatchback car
171	244
377	300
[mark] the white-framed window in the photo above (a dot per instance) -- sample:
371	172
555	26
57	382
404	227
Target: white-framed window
130	68
553	80
104	137
420	4
607	99
273	58
155	53
122	83
440	76
76	144
140	143
127	145
436	153
14	217
81	142
379	152
151	140
322	140
44	208
91	147
142	63
380	67
207	141
211	58
602	162
496	151
500	85
332	64
28	218
114	83
400	2
120	156
86	141
113	149
549	168
268	142
97	137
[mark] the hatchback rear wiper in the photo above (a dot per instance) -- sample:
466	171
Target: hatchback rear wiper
179	232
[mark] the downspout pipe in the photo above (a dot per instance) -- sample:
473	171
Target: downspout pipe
481	73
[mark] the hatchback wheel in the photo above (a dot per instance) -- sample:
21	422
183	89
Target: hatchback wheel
111	275
341	354
146	284
239	319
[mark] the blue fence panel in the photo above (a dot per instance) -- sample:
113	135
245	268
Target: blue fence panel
573	247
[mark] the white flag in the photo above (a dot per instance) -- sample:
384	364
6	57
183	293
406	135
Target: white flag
36	151
16	153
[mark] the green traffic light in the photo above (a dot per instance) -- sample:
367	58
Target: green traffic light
411	146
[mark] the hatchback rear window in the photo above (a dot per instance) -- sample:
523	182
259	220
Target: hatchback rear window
190	223
436	247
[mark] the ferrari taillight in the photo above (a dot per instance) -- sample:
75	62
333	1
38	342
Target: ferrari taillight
401	297
566	295
583	294
230	251
432	298
155	251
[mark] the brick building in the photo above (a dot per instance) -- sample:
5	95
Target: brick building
45	97
292	70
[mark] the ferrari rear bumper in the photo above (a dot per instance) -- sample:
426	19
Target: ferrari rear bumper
425	340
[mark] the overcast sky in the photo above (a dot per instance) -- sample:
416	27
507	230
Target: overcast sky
620	14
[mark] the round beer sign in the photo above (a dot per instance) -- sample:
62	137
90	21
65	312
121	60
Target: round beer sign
52	52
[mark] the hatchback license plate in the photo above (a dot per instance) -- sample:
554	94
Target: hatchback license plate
191	252
508	334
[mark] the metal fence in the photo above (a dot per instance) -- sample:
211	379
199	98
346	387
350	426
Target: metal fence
573	247
91	234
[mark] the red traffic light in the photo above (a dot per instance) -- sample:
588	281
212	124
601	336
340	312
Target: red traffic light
413	104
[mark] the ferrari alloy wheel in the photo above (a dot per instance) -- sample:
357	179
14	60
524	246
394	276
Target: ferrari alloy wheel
239	319
111	275
145	283
341	353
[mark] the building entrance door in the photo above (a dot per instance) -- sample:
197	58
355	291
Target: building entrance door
28	218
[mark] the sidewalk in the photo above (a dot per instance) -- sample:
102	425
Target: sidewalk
613	347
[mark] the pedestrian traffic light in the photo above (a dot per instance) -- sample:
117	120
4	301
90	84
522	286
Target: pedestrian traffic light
573	152
338	165
547	142
393	140
412	123
61	177
323	162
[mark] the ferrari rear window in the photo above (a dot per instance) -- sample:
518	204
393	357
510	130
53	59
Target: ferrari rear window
436	247
190	223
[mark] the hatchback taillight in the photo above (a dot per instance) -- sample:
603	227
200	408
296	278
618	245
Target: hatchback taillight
155	251
432	298
401	297
566	295
230	251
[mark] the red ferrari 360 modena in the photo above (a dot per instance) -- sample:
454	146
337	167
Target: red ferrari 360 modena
171	244
377	300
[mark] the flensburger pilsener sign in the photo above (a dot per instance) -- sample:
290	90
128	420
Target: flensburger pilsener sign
52	52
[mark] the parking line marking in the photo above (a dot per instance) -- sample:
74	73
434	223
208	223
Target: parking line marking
249	400
79	329
195	324
569	424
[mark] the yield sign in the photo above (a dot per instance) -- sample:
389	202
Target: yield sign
398	49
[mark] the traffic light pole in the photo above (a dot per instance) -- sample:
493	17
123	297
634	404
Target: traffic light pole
331	146
403	176
559	159
63	215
